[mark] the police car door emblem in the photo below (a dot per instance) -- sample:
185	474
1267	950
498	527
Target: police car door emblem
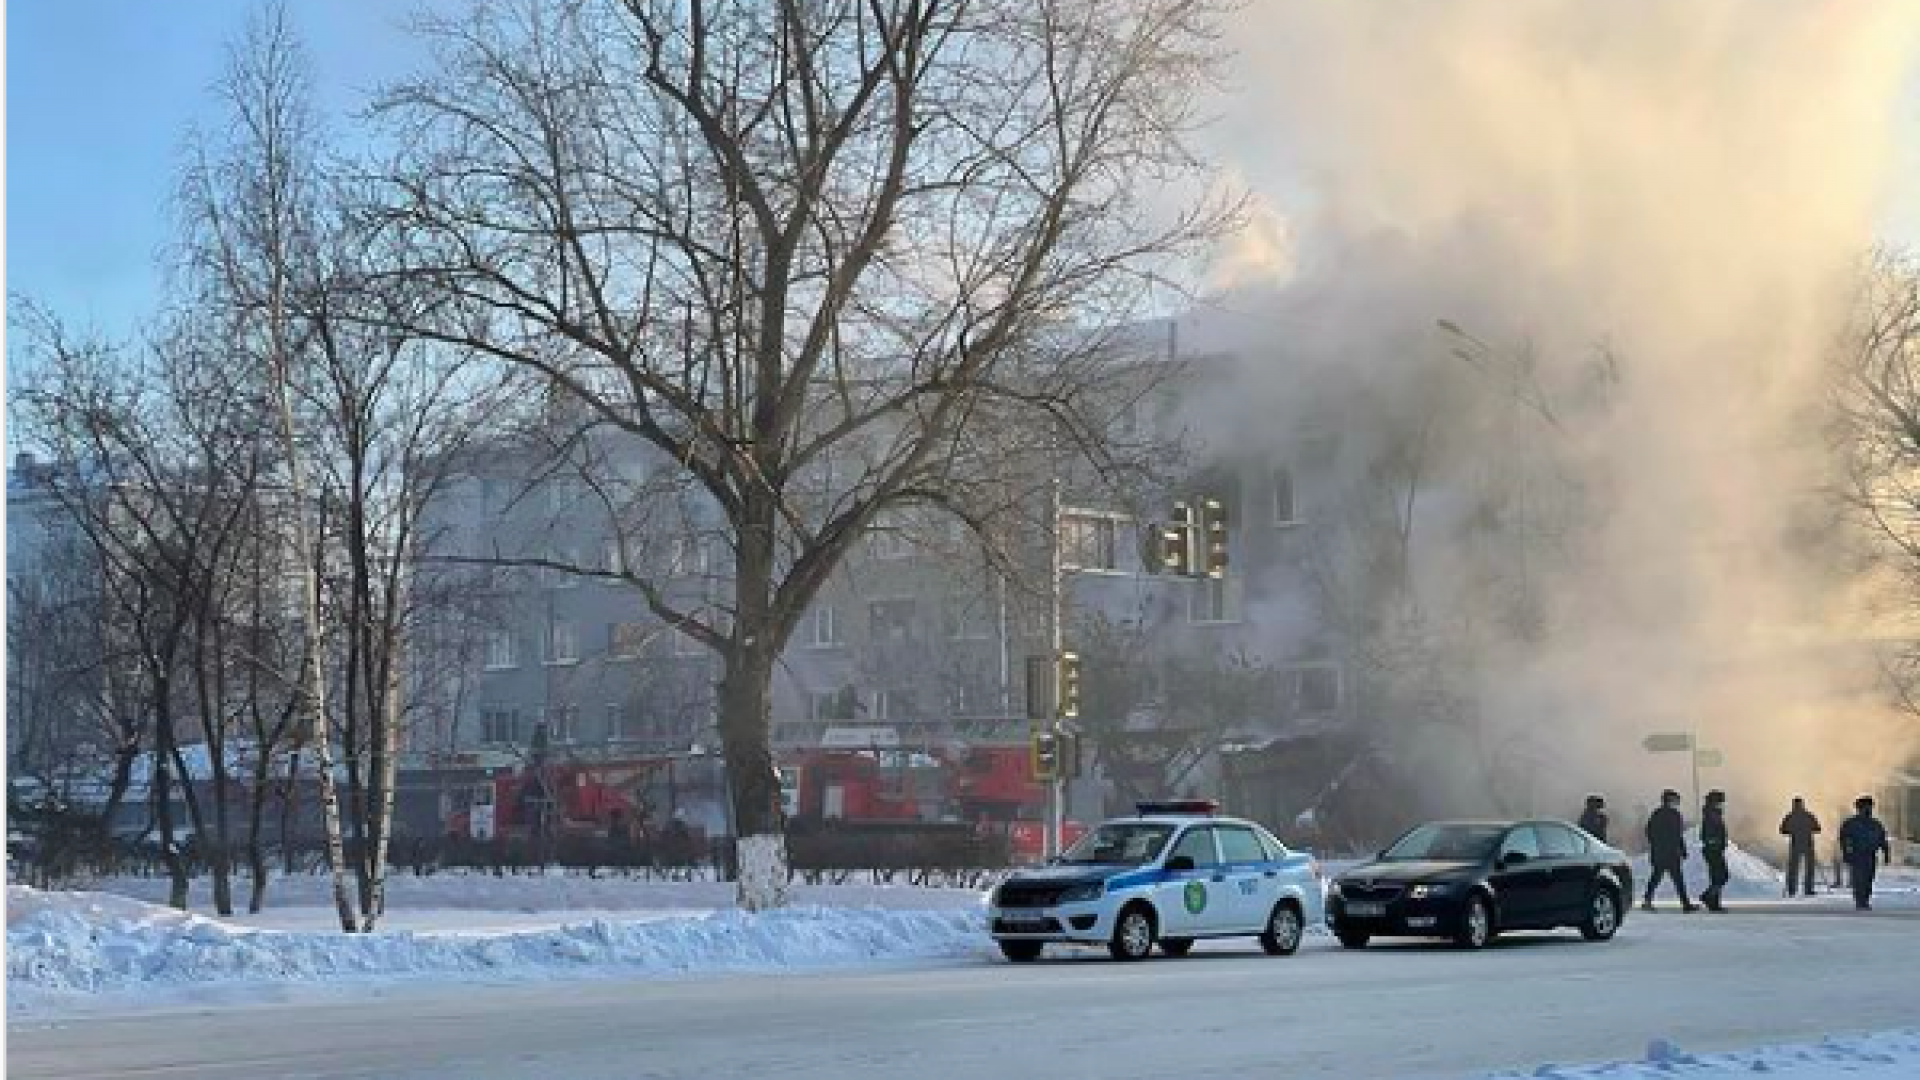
1196	897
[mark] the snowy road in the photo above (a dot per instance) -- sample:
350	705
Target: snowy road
1703	983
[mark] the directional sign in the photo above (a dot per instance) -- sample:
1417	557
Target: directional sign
1665	742
1709	759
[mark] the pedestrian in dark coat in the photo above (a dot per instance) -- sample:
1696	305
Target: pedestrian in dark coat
1800	827
1713	848
1667	849
1863	841
1594	818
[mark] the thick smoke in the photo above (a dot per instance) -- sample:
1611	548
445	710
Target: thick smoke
1643	216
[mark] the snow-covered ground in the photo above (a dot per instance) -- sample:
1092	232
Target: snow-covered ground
1885	1056
76	949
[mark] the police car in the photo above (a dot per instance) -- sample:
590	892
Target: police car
1170	876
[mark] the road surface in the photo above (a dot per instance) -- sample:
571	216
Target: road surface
1703	982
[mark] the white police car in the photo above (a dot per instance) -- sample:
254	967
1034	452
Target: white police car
1172	875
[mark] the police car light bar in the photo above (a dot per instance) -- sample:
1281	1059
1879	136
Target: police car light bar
1178	806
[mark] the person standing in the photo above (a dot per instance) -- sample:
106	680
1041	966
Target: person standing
1594	818
1862	840
1667	849
1800	827
1713	848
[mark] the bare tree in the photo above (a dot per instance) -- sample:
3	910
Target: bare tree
1877	406
252	203
766	240
158	461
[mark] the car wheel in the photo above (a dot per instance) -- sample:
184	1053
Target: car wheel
1353	939
1021	951
1133	934
1285	928
1176	946
1476	925
1603	915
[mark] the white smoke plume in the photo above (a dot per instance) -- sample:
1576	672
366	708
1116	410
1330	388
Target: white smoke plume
1658	203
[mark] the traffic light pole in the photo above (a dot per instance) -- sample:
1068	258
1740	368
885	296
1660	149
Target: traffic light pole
1056	643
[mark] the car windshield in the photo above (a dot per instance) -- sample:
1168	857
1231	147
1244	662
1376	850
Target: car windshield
1130	842
1451	843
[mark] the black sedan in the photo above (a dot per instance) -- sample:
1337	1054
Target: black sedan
1471	880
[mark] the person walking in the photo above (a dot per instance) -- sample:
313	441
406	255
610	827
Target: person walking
1800	827
1862	841
1667	849
1713	848
1594	818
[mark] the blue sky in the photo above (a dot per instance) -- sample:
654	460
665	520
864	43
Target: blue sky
100	94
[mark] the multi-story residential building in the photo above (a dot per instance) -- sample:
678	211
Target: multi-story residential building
914	641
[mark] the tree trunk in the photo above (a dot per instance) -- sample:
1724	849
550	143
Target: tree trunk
289	800
256	823
123	758
161	779
385	750
745	692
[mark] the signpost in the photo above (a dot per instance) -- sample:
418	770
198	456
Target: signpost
1676	742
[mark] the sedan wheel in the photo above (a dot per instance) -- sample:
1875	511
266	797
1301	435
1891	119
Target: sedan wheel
1603	916
1476	928
1132	935
1284	930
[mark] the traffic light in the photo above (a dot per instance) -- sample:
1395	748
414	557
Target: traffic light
1215	518
1046	757
1069	703
1176	551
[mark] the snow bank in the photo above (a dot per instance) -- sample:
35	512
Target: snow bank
1752	878
1885	1055
557	892
66	945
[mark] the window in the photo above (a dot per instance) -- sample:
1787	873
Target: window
1197	845
1558	841
562	494
890	705
891	620
887	539
501	652
1284	510
1215	600
499	725
616	726
1315	689
1275	849
563	645
826	627
960	699
558	578
828	705
1087	543
966	618
613	558
1521	840
688	556
1238	845
561	720
625	641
